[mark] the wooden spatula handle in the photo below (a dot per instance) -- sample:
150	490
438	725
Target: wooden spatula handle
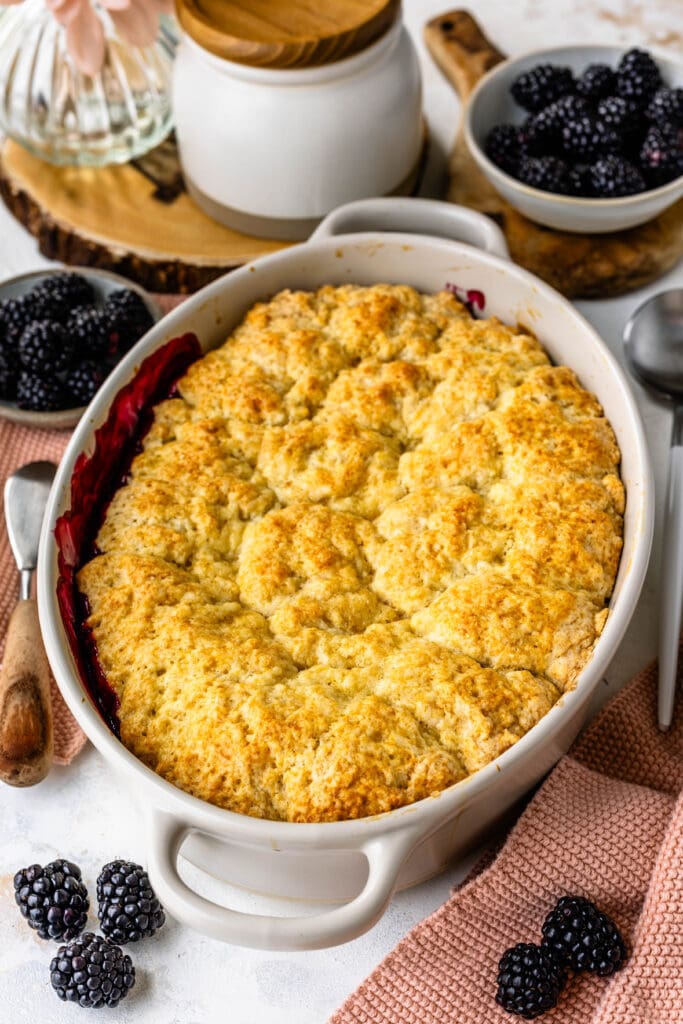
26	736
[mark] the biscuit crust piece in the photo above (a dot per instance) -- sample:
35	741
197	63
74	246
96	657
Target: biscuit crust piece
363	551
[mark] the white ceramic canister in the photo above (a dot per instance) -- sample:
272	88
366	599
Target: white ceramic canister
293	125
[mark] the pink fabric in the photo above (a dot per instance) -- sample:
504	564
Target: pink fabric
606	824
19	445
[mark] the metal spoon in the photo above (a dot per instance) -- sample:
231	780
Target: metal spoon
653	342
26	737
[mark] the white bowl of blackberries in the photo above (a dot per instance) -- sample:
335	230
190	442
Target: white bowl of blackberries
61	333
582	138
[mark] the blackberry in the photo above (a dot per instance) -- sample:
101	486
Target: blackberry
666	107
598	80
538	87
44	304
544	172
128	317
624	117
92	972
568	107
614	176
638	77
88	330
41	394
14	316
583	138
540	135
581	937
45	348
580	180
661	156
70	289
9	374
53	899
502	146
84	380
128	908
529	980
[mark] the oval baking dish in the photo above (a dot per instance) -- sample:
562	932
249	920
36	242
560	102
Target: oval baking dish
359	861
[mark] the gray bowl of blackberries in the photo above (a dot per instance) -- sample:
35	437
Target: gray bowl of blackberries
61	333
582	138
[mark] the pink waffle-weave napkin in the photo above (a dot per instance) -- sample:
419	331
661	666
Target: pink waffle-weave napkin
19	445
606	824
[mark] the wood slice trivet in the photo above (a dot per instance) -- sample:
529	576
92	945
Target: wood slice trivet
579	266
135	219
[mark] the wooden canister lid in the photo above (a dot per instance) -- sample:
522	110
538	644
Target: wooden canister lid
286	33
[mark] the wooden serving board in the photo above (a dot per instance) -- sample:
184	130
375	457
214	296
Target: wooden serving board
135	219
579	266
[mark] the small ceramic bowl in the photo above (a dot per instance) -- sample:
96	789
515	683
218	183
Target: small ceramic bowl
103	283
491	103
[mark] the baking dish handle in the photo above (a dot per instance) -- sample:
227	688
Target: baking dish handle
417	217
385	857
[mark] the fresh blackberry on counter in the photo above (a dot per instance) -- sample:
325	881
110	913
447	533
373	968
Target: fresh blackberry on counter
538	87
544	172
92	972
40	394
53	899
128	318
88	330
583	938
128	907
45	347
70	289
661	155
530	980
598	80
666	107
9	375
84	380
614	176
584	139
502	146
638	77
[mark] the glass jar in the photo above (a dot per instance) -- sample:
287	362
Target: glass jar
68	117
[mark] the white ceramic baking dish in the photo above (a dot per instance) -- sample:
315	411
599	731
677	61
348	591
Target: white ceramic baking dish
360	862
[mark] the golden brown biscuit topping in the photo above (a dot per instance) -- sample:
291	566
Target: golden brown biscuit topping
360	555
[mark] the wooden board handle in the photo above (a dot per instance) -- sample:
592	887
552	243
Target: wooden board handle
26	735
460	48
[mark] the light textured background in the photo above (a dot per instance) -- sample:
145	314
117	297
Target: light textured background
81	811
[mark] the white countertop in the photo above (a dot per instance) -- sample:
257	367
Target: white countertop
82	813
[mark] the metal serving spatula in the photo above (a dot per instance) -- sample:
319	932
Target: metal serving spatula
26	739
